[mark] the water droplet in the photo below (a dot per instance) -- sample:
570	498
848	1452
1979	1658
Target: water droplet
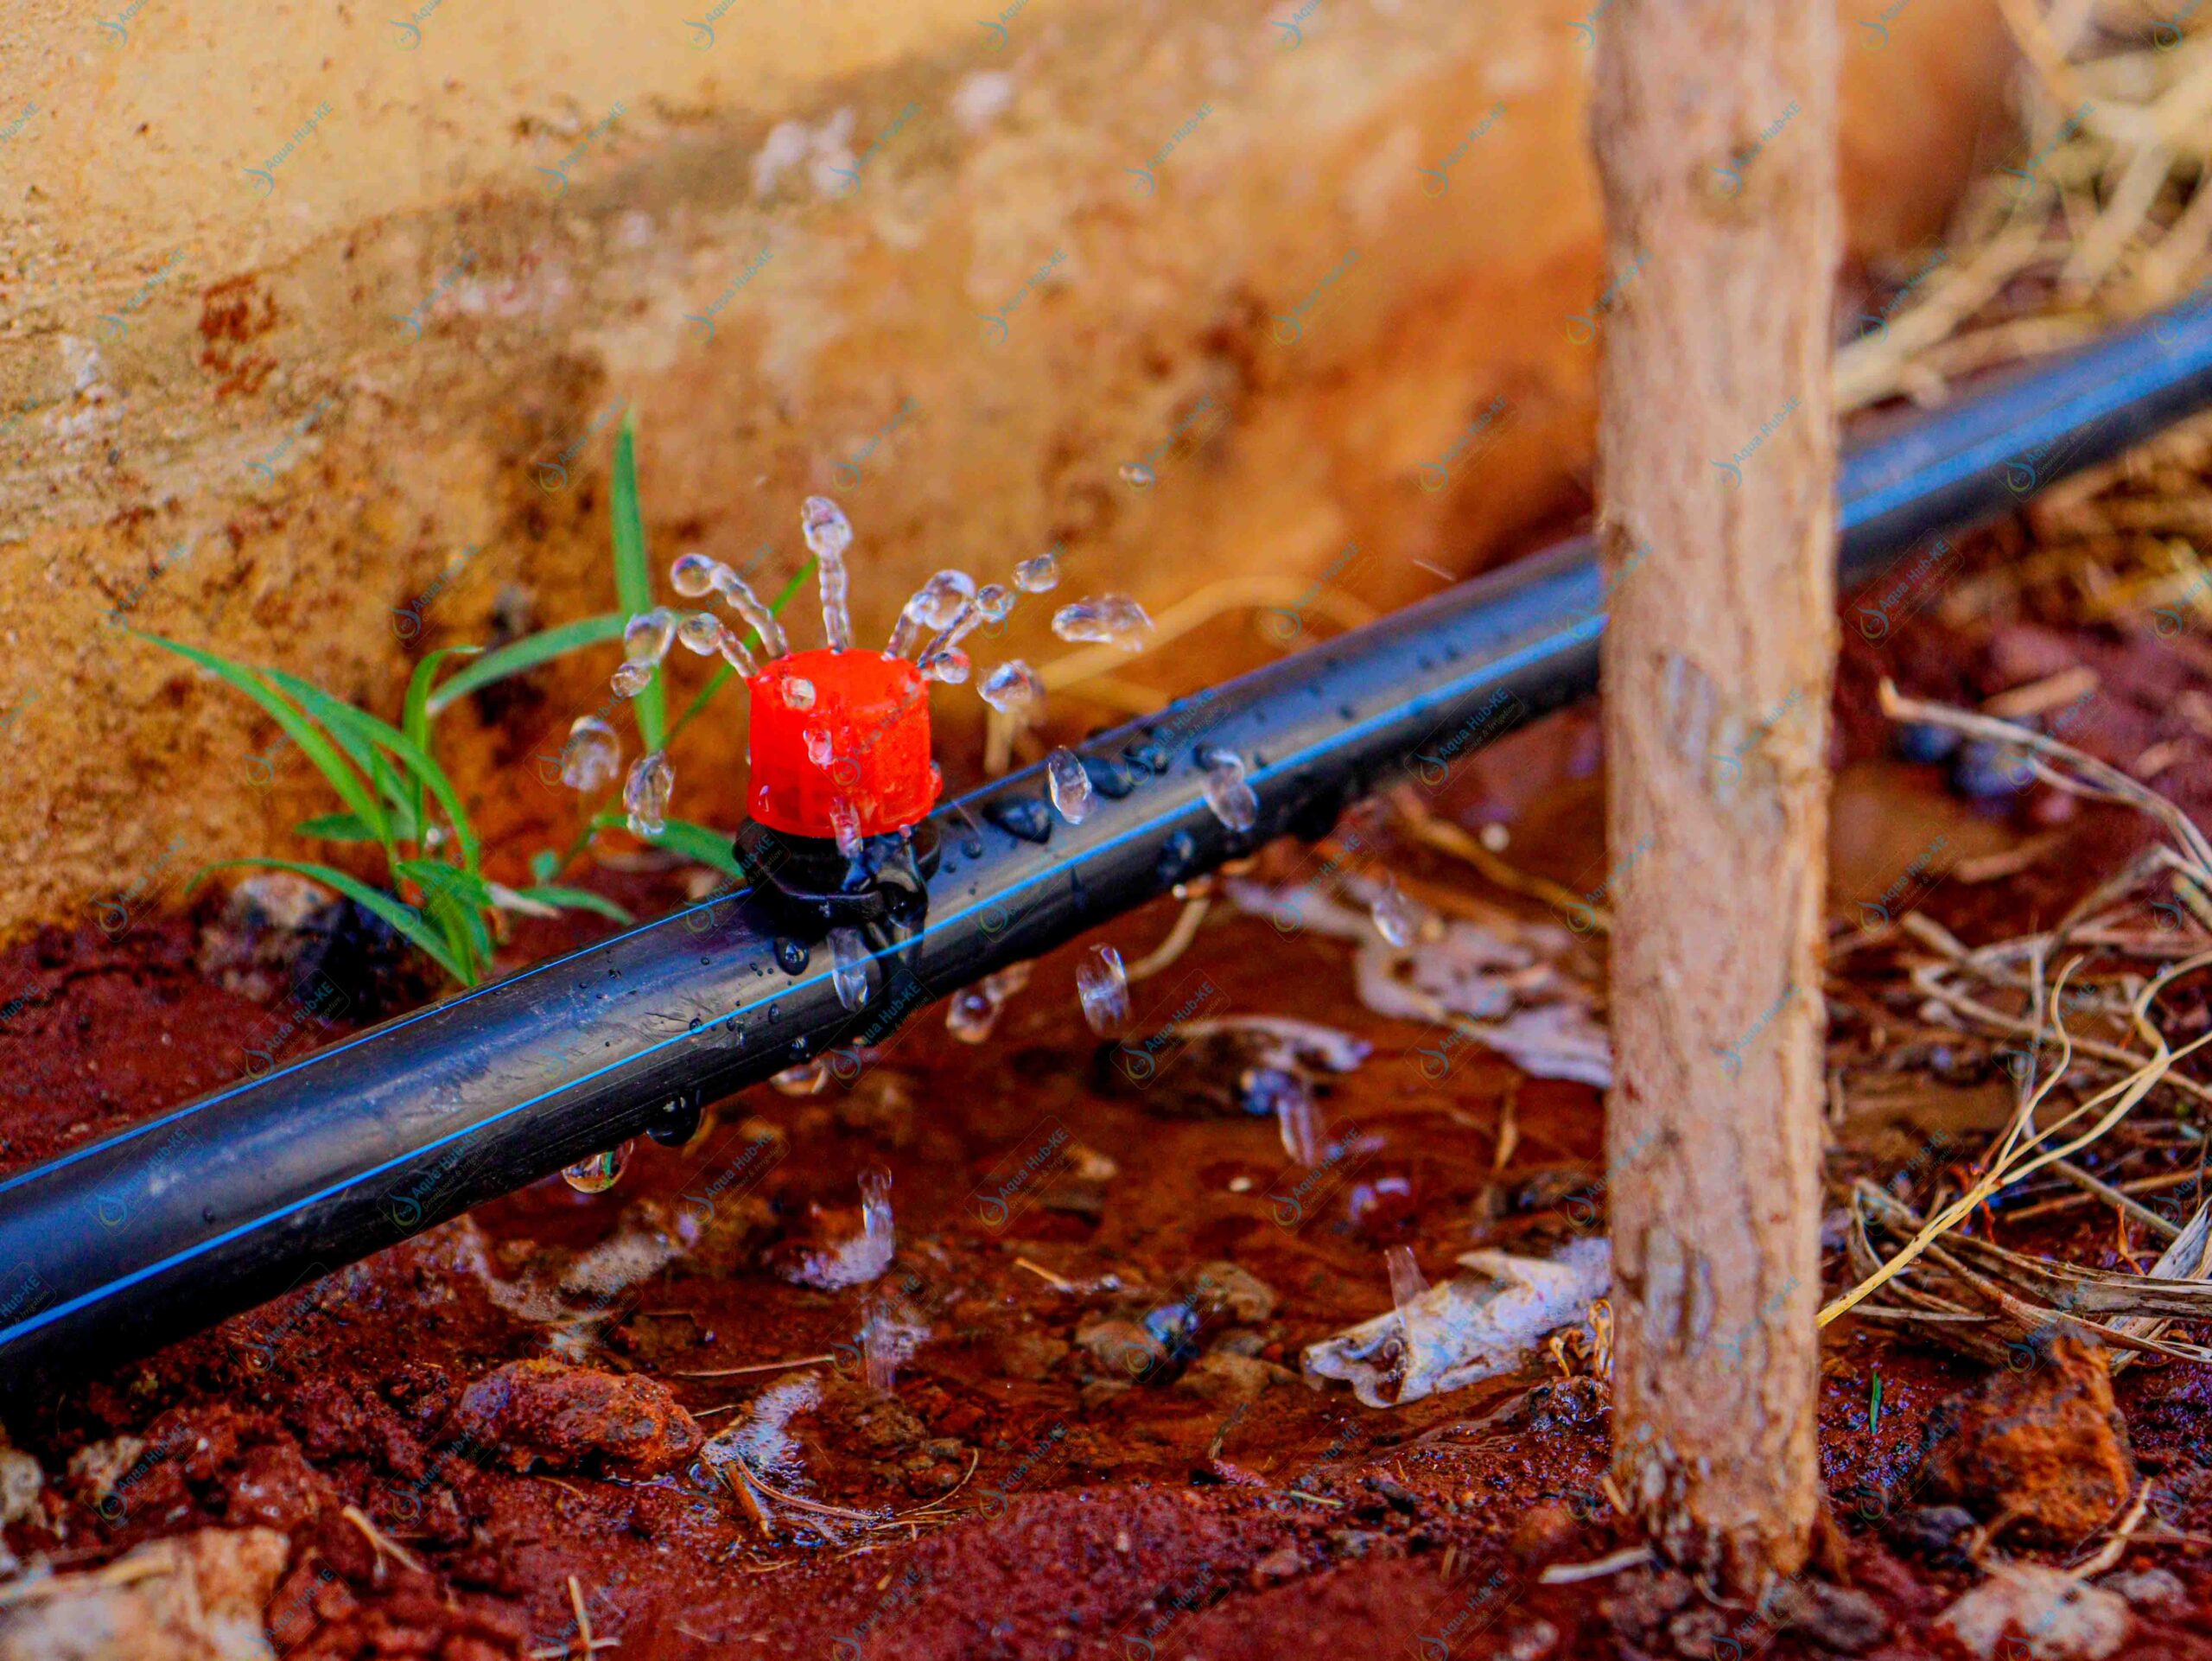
845	820
878	1347
1395	919
598	1172
1408	1287
646	637
1038	576
799	692
593	754
949	668
1285	1093
1014	688
1227	794
828	533
736	653
817	748
1070	785
632	677
805	1079
1135	474
791	956
737	593
932	607
1108	619
995	602
876	1210
694	575
1177	854
1103	986
851	966
700	634
645	793
971	1014
964	622
1020	816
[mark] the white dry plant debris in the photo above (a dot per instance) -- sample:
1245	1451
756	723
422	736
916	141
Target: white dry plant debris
1502	984
1470	1328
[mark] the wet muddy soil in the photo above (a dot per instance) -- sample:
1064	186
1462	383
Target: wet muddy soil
1097	1441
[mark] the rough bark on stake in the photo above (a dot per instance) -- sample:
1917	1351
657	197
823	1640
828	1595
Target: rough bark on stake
1714	127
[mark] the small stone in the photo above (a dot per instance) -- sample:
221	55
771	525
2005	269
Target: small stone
1122	1349
1545	1530
1932	1533
1834	1617
1226	1380
1283	1564
2026	1610
2046	1445
1227	1286
2158	1590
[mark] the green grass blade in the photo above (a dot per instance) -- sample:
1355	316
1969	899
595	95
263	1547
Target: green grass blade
415	714
725	673
695	843
457	900
527	653
336	827
576	900
633	578
304	732
382	734
403	919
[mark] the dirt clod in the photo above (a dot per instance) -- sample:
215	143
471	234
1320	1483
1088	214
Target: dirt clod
559	1417
2045	1446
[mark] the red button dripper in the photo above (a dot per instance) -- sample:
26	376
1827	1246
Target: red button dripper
872	714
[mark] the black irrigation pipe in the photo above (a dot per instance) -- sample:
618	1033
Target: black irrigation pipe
212	1208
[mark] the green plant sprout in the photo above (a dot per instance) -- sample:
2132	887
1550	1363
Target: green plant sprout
398	795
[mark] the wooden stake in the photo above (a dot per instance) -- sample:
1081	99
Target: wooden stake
1715	131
